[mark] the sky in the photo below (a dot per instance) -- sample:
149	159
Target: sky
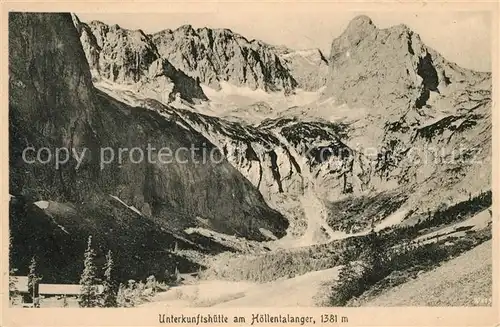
460	36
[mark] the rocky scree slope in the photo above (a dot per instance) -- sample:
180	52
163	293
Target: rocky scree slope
131	58
130	208
282	157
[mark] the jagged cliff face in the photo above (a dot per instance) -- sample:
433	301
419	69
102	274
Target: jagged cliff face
389	68
130	57
425	140
192	56
421	111
308	67
284	158
52	103
216	55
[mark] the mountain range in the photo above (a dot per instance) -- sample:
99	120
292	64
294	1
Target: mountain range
296	178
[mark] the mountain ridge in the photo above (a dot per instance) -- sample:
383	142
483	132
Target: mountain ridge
214	55
252	63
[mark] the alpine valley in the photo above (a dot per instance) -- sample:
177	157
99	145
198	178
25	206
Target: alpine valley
378	153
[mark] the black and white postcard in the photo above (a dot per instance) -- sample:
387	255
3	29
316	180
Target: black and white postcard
256	163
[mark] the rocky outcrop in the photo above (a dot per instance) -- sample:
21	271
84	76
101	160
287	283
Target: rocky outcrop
53	104
414	99
418	104
130	57
220	55
309	67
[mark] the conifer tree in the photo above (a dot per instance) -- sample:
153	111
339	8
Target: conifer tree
121	299
151	283
88	285
33	280
12	272
109	285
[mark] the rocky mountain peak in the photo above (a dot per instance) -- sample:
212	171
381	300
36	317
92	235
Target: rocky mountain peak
185	29
309	67
130	57
359	28
314	55
315	172
359	24
98	23
207	55
391	67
